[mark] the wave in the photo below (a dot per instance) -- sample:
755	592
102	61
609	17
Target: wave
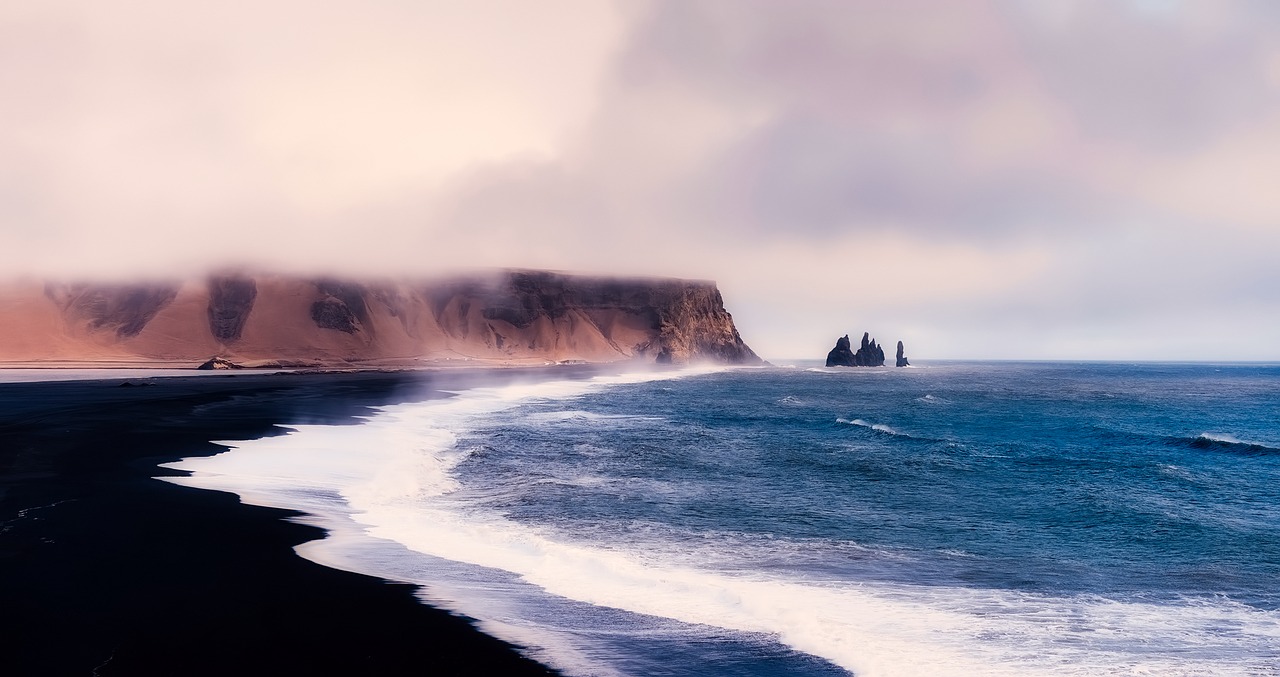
579	416
1206	441
846	370
894	432
1224	442
878	427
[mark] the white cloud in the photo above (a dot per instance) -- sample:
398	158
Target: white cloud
1029	179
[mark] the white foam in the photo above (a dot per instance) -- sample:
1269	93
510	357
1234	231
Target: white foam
869	629
874	426
393	478
1232	439
1223	437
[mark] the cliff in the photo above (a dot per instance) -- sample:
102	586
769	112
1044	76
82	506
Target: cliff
261	320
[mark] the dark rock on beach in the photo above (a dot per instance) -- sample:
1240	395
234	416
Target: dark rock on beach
219	363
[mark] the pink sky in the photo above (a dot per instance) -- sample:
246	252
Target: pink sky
1024	179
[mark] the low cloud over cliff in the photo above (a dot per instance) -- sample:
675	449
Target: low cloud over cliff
1080	179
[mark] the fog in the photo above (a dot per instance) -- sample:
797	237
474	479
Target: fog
1017	179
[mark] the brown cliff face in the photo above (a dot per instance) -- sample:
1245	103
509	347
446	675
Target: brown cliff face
515	316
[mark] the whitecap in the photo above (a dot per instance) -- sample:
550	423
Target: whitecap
1228	439
880	427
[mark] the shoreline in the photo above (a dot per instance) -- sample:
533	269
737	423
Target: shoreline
110	571
287	366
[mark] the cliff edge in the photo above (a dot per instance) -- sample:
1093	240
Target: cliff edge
519	317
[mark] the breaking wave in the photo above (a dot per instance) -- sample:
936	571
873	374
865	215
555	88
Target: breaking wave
1231	443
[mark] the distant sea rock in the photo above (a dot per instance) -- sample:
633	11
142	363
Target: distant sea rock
902	358
869	354
841	355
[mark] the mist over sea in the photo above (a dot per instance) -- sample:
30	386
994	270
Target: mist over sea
949	519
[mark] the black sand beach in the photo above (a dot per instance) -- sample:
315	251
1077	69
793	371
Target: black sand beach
105	570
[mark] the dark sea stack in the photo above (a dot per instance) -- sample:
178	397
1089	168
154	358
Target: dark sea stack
869	354
902	358
841	355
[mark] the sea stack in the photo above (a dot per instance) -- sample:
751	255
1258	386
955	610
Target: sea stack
902	358
869	354
841	355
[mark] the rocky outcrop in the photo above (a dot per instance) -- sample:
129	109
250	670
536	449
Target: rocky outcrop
331	312
219	363
122	309
519	317
343	307
842	354
230	300
901	360
869	354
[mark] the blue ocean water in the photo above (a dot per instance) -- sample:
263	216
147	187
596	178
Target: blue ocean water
957	518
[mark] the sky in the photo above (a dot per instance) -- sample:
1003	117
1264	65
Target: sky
1016	179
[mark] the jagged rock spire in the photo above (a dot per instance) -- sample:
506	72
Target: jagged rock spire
869	354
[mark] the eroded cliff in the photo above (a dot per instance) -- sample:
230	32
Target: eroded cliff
512	316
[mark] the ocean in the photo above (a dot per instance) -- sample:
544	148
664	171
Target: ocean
955	518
